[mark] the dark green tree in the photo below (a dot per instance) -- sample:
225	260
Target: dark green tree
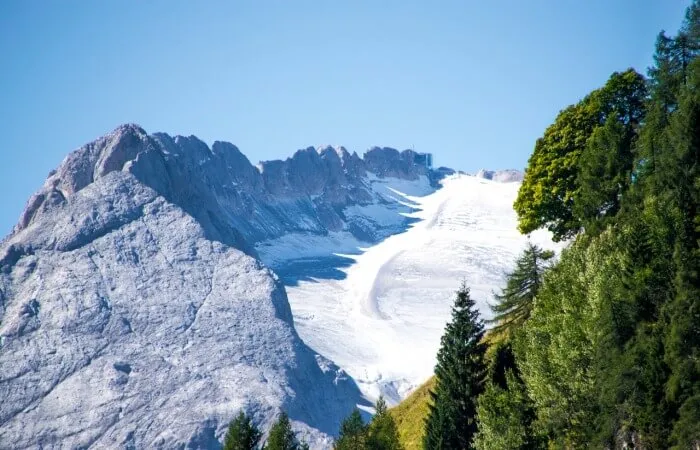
514	303
682	342
383	433
242	434
281	436
505	412
353	433
504	416
610	354
605	174
686	433
459	379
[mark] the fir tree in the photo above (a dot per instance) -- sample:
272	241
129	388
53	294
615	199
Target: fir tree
353	433
242	434
460	371
514	304
383	433
505	412
281	435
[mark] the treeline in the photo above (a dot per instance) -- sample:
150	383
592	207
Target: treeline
600	348
379	434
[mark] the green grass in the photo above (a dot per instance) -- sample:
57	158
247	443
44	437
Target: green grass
410	415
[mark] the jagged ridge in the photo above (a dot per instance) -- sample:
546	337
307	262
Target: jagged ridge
237	203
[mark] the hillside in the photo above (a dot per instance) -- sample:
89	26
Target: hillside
410	415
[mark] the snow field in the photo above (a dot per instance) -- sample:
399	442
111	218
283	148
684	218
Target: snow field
382	323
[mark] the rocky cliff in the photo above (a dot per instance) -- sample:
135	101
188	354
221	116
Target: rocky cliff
235	202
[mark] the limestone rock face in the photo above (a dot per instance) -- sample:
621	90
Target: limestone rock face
130	317
389	162
235	202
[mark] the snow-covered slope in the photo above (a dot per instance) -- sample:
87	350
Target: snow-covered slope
381	316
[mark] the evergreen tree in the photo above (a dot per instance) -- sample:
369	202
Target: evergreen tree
504	417
281	435
242	434
604	174
682	342
514	304
460	371
383	433
353	433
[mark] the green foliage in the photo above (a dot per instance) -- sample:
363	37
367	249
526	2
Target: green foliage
547	195
242	434
605	171
610	355
282	437
606	344
682	337
564	335
460	372
515	302
383	433
353	433
686	433
504	410
504	417
410	416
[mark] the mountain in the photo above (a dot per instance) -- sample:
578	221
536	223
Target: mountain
134	312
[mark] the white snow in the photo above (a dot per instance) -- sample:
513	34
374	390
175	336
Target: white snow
383	322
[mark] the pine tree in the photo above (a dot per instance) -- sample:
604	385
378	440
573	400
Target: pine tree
504	417
242	434
281	435
383	433
514	304
353	433
505	412
460	371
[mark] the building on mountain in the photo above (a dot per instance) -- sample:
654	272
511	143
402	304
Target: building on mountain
424	159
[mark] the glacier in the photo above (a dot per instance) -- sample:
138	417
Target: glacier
381	320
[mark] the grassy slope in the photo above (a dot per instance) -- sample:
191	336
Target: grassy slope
410	414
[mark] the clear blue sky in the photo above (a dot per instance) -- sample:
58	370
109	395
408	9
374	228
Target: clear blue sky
474	82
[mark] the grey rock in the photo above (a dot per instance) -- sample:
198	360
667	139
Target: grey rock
125	326
388	162
502	176
235	202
